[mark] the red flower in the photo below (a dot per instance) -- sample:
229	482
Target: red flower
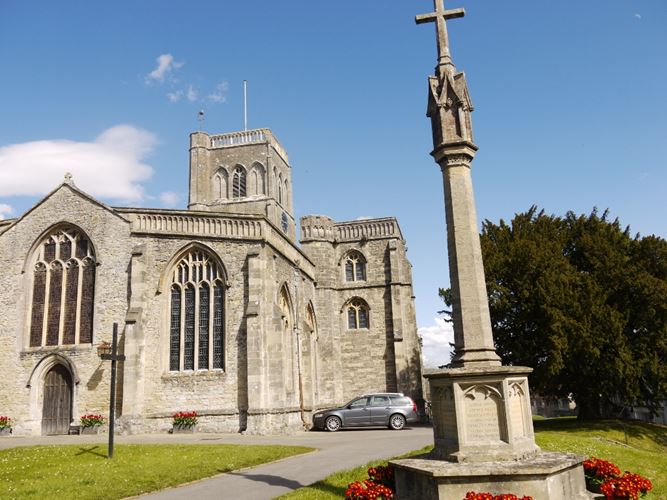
471	495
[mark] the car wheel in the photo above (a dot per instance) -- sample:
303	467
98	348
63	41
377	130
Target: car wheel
396	421
332	424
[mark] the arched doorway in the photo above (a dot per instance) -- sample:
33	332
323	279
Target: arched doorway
57	406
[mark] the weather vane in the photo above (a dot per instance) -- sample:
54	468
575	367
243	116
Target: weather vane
200	118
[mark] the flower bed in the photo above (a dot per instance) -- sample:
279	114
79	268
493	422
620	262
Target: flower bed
185	419
601	477
604	477
92	420
379	486
5	425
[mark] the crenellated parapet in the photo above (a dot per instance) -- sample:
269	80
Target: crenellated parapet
317	228
322	228
368	229
256	136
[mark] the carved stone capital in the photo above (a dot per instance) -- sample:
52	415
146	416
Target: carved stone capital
459	153
457	160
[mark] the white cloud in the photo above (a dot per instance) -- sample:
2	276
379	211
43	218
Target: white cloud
219	95
169	199
111	166
5	210
175	96
436	341
191	94
165	67
638	16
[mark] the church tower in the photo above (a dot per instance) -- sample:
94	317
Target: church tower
245	172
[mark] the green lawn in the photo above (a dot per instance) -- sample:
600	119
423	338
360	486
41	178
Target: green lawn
641	448
56	472
633	446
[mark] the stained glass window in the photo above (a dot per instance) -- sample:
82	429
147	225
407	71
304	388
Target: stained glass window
202	328
355	267
63	289
175	329
357	314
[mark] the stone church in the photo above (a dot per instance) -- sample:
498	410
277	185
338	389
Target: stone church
220	310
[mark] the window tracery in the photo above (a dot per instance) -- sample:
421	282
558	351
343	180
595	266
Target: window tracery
357	314
63	289
197	296
239	186
355	267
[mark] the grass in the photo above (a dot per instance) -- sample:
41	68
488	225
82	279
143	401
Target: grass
55	472
334	486
633	446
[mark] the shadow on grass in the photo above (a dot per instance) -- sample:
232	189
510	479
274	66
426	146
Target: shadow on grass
91	451
633	428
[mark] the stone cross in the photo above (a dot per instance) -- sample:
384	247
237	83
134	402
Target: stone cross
440	17
454	152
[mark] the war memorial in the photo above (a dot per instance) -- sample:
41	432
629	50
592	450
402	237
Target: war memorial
482	423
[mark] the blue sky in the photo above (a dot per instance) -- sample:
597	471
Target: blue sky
570	107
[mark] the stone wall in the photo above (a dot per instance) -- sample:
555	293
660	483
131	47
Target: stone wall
24	366
386	356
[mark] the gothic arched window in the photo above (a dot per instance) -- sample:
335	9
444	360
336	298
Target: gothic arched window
280	188
310	319
196	314
220	181
355	267
257	180
63	289
285	304
239	183
357	314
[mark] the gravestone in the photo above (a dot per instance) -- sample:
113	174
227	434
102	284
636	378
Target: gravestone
482	427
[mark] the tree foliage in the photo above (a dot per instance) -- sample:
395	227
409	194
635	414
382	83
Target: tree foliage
582	302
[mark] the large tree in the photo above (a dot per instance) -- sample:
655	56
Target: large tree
582	302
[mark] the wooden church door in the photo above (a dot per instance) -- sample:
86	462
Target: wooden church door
57	408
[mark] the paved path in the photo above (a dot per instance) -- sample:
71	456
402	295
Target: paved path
335	451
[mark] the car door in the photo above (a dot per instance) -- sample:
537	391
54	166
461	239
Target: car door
357	413
380	410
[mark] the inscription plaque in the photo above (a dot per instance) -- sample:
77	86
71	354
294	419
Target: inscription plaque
482	415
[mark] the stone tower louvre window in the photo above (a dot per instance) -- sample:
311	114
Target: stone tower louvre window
63	290
196	315
355	267
239	183
357	314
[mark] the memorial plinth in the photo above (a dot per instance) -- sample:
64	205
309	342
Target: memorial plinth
552	476
481	414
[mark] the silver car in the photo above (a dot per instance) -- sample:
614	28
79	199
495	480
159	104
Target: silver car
387	409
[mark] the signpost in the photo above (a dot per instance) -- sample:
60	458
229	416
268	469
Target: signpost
110	352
